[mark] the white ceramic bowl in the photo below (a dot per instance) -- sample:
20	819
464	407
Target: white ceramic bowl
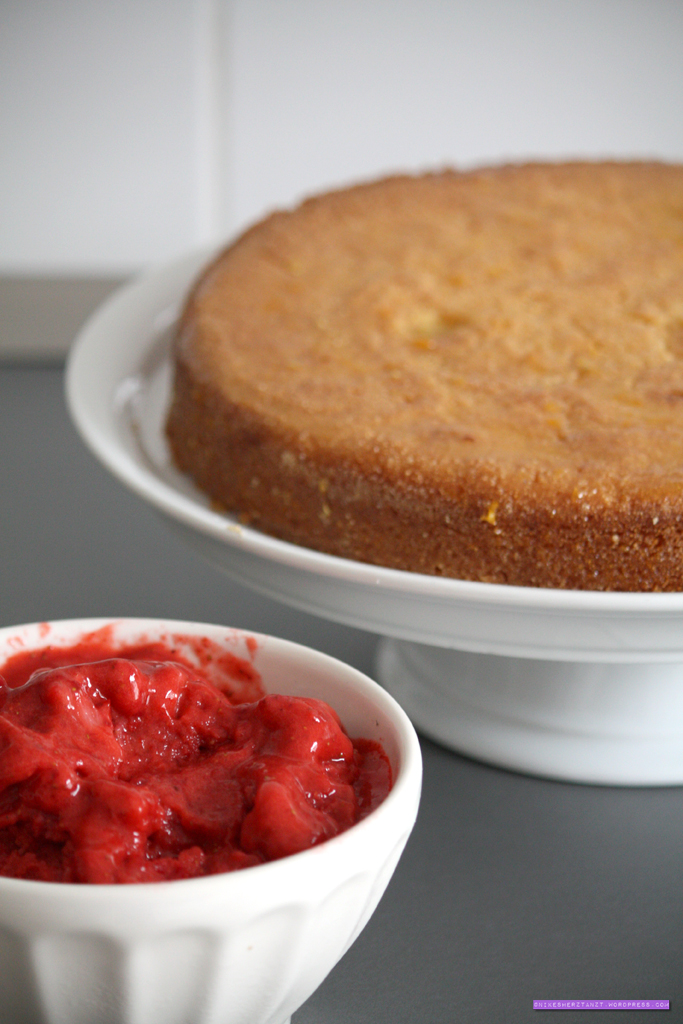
247	947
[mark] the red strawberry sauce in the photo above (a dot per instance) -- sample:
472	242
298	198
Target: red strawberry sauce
166	760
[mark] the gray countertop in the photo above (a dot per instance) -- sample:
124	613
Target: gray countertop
511	888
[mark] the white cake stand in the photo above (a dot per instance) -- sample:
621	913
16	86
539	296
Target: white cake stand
573	685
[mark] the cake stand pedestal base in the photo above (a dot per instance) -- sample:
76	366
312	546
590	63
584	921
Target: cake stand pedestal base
606	723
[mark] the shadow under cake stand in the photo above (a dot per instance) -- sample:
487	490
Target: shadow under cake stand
574	685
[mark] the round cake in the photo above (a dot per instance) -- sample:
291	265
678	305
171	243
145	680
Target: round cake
472	374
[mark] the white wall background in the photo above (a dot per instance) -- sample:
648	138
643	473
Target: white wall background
131	130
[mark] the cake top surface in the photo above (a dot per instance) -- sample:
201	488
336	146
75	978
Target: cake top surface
525	316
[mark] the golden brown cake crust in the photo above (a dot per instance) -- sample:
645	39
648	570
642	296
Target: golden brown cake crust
477	375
